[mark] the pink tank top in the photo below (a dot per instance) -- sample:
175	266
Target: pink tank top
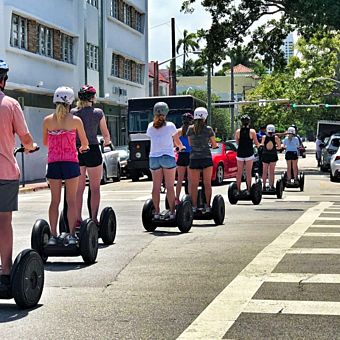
62	146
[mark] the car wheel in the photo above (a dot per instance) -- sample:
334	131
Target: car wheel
219	175
332	178
134	174
323	168
117	178
104	178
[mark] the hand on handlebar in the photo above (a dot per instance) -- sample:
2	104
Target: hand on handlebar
83	149
180	150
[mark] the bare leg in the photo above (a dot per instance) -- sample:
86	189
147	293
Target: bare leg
289	170
157	178
295	168
6	242
95	175
169	177
249	166
193	184
71	190
180	177
264	174
239	174
207	172
80	191
53	211
272	173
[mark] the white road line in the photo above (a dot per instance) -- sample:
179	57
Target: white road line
296	198
332	208
322	234
293	307
222	312
302	277
330	251
332	212
325	226
329	218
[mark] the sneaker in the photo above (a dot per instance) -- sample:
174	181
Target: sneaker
5	286
272	187
52	241
156	217
72	240
194	210
207	210
172	216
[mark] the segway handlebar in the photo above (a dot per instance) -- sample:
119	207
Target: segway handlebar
22	149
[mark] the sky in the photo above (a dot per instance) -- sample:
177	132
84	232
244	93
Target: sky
160	14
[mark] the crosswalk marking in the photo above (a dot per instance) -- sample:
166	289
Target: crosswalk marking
303	277
322	234
330	251
329	218
293	307
222	312
296	198
325	226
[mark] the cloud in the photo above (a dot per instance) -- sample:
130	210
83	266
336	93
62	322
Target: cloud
160	14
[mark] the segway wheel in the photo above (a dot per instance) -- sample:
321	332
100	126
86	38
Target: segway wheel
279	188
88	242
186	198
256	193
27	279
147	214
108	225
63	223
232	193
218	209
41	233
302	181
184	216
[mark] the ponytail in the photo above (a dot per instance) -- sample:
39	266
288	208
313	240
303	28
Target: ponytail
61	111
83	103
158	121
198	125
185	128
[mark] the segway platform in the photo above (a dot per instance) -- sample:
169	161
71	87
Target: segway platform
292	184
278	190
254	195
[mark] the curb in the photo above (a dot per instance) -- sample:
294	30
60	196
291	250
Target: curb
28	189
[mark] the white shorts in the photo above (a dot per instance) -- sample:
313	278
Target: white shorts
250	158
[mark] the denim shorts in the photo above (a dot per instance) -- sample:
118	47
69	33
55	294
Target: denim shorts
63	170
165	162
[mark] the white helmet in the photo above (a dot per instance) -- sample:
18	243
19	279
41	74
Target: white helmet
200	113
64	95
291	130
270	128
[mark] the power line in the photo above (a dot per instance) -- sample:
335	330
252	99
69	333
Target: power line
164	23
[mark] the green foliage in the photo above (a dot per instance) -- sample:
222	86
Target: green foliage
220	118
187	43
191	68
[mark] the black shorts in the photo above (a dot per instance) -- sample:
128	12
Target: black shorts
62	170
91	158
291	156
183	159
200	163
9	190
269	157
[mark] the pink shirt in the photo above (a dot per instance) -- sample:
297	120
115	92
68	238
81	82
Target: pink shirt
12	122
62	146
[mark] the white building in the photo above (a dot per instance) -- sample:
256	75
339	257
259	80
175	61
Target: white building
288	47
51	43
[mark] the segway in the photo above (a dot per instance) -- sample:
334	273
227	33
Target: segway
107	225
292	184
277	190
254	194
26	281
183	220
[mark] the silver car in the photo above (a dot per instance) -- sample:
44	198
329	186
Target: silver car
329	149
111	163
124	155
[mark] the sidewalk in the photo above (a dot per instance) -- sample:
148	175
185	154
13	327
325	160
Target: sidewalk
30	187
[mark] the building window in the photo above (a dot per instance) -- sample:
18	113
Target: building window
140	22
139	74
45	41
127	69
115	65
66	45
114	9
92	57
19	32
127	14
94	3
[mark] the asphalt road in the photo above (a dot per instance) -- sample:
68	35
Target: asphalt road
261	275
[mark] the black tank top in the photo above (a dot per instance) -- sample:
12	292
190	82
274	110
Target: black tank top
266	141
245	145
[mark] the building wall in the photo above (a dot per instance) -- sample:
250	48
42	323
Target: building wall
33	75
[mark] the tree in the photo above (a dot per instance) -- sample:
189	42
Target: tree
188	43
191	68
231	25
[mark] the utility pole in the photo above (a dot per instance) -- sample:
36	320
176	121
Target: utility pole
173	61
209	91
155	79
232	95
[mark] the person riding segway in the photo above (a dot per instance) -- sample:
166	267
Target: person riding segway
270	145
245	138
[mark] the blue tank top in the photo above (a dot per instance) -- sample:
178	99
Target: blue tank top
185	142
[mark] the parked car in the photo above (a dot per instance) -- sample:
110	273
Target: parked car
335	167
329	149
124	154
111	165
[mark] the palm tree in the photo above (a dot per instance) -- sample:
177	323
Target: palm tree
189	43
191	68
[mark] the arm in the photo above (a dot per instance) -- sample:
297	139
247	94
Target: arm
262	140
213	142
27	142
254	137
105	131
45	132
278	143
237	136
81	134
177	142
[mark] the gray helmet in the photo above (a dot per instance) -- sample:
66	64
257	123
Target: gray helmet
161	108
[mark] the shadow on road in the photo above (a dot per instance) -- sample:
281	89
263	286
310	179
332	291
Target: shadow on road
166	233
10	312
65	266
279	209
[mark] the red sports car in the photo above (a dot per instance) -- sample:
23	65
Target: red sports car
224	161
